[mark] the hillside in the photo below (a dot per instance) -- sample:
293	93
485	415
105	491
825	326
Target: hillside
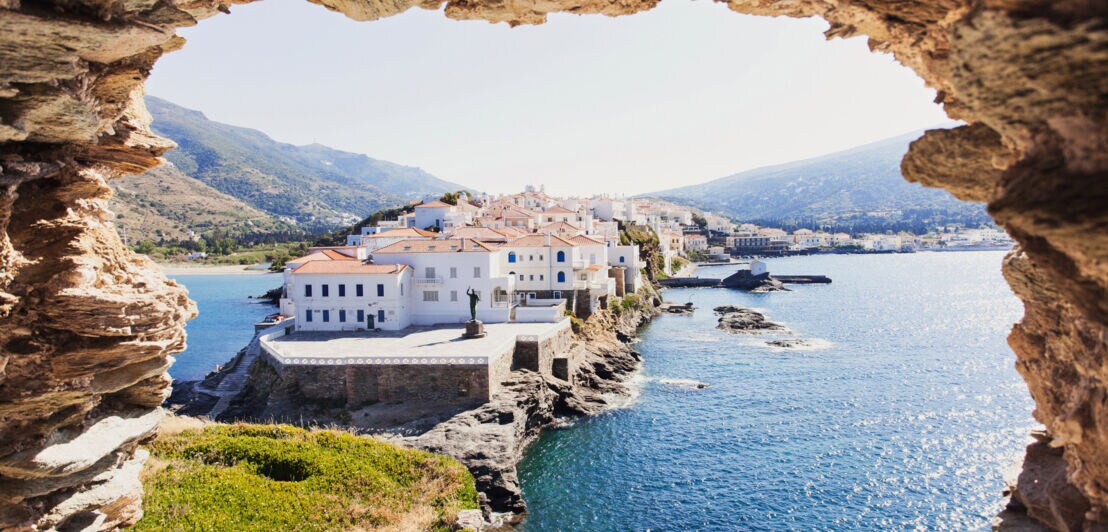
860	187
317	187
166	204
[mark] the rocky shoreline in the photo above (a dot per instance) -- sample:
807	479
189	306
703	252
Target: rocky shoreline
489	439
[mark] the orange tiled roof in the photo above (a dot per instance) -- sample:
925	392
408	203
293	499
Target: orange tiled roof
559	226
435	203
448	245
480	233
323	267
585	240
517	212
558	209
403	232
324	255
539	241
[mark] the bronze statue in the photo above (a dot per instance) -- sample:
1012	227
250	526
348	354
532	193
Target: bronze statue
473	299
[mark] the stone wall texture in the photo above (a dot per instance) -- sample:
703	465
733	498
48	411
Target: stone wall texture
351	386
87	329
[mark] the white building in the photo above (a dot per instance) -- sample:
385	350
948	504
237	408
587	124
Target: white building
433	214
376	240
347	295
609	209
696	243
443	271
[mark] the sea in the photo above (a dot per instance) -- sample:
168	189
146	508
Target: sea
904	412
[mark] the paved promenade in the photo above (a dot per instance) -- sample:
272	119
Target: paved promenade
414	345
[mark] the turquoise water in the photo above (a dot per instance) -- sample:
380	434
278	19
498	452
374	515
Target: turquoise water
905	418
226	320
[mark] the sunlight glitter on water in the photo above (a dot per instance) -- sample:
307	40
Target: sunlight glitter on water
904	418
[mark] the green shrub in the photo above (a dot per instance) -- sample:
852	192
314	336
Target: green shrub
631	302
277	477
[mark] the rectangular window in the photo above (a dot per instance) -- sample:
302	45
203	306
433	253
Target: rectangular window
324	294
476	272
521	277
430	295
307	290
342	316
453	295
381	290
429	272
308	315
557	295
342	291
380	316
361	316
453	272
532	278
358	291
326	316
541	276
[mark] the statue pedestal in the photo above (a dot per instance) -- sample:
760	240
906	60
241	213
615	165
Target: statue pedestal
474	329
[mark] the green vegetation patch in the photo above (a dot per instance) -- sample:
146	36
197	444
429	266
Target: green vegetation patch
277	477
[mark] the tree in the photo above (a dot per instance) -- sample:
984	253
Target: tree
145	247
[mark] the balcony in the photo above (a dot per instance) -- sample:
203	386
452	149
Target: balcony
427	281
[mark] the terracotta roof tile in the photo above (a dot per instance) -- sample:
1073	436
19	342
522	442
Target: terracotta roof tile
585	240
347	267
448	245
540	241
560	226
324	255
435	203
404	232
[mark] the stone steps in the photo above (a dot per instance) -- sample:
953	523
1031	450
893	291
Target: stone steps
232	383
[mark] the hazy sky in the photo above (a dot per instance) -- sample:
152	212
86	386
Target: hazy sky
685	93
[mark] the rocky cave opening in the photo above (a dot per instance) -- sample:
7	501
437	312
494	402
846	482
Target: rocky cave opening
89	329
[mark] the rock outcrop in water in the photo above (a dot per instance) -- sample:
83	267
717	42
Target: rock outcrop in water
738	319
87	329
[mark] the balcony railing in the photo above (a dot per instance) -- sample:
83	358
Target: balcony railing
425	281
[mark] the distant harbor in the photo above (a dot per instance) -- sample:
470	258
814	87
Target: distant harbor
751	275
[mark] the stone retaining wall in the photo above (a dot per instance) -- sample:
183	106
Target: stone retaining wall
537	353
354	385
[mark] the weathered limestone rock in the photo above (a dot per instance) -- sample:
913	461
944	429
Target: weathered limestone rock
86	329
1045	494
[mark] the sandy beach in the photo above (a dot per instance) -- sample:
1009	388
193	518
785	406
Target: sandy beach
190	269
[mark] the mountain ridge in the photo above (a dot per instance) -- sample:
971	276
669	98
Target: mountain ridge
314	186
859	186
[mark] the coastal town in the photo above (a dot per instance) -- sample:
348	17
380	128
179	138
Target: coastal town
531	256
438	301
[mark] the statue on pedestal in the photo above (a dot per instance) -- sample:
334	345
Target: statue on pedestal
474	327
474	297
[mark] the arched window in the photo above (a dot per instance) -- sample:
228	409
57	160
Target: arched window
561	256
511	256
561	277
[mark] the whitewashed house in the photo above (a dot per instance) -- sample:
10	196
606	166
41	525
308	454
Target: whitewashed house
433	214
443	271
347	295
